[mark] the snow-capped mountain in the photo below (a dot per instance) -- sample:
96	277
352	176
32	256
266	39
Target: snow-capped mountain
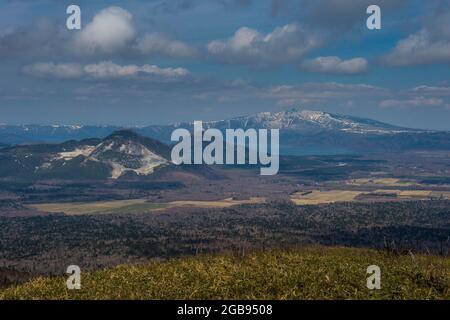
121	153
35	133
308	120
126	152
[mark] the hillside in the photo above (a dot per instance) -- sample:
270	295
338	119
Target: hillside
122	152
308	273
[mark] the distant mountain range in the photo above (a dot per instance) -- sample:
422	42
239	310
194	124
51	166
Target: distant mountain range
298	129
34	133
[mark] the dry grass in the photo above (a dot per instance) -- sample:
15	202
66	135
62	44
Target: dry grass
415	193
389	182
328	196
439	194
409	194
308	273
318	197
75	208
215	204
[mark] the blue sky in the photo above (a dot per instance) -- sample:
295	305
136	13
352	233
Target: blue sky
146	62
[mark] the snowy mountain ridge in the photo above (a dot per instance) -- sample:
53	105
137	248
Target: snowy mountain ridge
304	120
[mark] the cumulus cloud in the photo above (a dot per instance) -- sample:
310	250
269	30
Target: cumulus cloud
335	65
429	45
110	34
419	48
110	30
248	46
415	102
106	70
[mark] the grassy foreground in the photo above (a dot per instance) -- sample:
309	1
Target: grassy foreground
308	273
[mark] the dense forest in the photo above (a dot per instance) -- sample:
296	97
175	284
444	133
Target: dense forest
48	244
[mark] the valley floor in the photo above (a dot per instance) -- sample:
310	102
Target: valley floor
307	273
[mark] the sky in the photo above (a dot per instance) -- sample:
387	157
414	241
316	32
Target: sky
165	61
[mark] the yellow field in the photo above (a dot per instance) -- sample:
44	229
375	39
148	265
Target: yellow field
407	193
330	196
299	198
74	208
391	182
415	193
135	206
439	194
215	204
317	197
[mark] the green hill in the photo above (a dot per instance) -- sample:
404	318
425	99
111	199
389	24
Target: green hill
308	273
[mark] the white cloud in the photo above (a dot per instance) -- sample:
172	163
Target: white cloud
110	30
419	48
415	102
424	96
106	70
429	45
109	70
317	94
327	90
248	46
58	71
335	65
360	95
433	90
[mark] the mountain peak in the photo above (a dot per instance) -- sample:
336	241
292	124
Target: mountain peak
123	133
306	114
313	121
122	152
302	110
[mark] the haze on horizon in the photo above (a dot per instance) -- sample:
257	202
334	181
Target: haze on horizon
160	62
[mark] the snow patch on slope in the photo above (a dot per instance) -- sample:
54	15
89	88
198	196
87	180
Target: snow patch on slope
123	157
69	155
